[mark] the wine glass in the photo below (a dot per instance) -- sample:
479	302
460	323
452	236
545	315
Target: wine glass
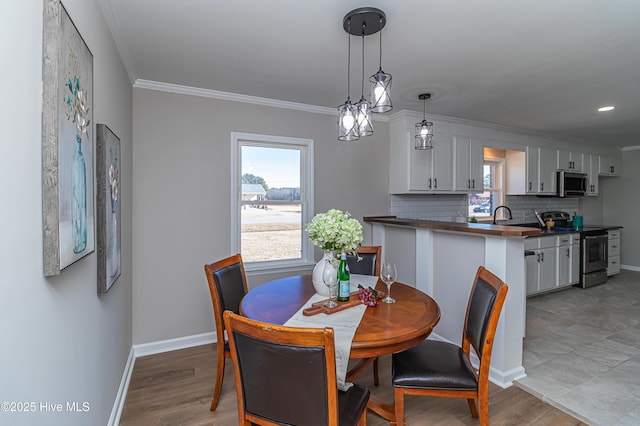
330	278
388	274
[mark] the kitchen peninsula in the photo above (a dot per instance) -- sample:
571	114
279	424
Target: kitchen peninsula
441	258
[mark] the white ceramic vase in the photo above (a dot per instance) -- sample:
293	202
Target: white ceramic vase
318	284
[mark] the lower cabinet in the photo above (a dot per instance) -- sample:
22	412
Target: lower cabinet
568	255
552	262
614	252
541	265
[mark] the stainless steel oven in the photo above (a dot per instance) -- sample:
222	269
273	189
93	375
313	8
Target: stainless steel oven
593	265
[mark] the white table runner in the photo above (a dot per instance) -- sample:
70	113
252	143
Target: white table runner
344	324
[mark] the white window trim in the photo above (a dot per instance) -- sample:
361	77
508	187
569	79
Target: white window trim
503	182
306	195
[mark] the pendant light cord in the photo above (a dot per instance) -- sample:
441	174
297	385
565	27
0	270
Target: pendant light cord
380	42
362	82
348	58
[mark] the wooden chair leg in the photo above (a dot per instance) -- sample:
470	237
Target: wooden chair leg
398	402
483	407
219	377
472	408
362	421
376	380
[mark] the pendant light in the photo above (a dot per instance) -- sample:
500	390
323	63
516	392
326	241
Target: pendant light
381	83
355	119
364	107
347	123
424	129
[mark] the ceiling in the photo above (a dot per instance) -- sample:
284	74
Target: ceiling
543	65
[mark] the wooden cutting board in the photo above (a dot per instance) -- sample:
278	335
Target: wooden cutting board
319	308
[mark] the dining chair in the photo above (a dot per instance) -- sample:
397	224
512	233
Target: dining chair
436	368
367	262
287	375
227	285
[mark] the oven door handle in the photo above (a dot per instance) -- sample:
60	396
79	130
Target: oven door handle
593	237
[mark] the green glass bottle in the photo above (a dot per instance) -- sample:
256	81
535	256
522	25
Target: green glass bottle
344	278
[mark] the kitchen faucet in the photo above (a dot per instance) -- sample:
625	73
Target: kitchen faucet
496	211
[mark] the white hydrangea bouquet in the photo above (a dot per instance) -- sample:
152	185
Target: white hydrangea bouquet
335	231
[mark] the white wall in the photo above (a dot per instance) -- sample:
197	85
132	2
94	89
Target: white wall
60	341
622	207
182	205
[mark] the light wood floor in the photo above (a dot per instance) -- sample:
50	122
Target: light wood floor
175	388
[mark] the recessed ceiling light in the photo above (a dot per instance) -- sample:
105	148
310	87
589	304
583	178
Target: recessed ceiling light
606	108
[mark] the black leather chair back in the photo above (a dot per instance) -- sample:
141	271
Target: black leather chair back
283	383
365	266
479	313
230	285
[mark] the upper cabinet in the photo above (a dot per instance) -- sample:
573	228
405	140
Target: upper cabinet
541	171
609	166
572	161
531	172
591	163
469	161
419	171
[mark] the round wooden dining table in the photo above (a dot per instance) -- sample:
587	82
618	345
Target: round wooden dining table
383	330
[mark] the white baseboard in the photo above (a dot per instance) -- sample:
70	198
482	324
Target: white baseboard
152	348
630	268
118	405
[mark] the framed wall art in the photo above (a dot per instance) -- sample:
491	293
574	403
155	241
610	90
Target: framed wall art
107	206
67	142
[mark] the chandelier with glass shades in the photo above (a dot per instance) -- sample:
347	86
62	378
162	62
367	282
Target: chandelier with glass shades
354	120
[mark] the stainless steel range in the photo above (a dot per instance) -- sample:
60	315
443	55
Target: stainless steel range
593	248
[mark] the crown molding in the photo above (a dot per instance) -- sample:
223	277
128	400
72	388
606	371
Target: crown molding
118	38
236	97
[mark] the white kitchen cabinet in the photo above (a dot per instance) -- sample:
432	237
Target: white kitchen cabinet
568	259
609	166
441	178
541	266
591	163
541	170
575	259
613	248
572	161
418	171
469	163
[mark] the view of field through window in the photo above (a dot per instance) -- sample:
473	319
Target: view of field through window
271	211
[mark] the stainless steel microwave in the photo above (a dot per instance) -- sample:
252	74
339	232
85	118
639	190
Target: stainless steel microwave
572	184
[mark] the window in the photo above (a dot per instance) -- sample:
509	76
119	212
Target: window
484	204
272	199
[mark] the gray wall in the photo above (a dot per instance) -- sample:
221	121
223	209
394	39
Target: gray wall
60	341
621	206
182	195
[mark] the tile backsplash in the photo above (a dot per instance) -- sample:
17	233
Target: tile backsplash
451	206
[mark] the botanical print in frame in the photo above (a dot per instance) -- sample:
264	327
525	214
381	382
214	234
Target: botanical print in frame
67	142
107	206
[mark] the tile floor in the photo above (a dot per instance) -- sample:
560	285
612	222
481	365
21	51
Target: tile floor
582	350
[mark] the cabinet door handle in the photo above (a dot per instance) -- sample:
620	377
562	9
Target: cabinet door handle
568	253
538	257
541	186
435	183
429	183
473	183
530	185
612	169
468	183
542	257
